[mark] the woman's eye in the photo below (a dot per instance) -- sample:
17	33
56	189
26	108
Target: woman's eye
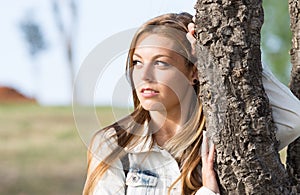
162	64
137	63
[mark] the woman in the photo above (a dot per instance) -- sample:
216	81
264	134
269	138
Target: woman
163	139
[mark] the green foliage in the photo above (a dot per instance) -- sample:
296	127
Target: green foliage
276	38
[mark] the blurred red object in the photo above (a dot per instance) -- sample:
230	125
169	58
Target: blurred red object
8	94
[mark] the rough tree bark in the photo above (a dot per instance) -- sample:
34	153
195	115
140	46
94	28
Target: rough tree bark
236	107
293	152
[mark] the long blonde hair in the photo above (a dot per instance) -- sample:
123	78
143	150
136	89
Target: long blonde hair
185	145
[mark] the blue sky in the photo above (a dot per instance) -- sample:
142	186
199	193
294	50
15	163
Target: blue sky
46	76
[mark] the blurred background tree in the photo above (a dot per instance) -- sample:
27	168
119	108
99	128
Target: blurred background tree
66	19
276	38
36	43
33	35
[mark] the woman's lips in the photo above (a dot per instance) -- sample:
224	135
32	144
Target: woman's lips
148	92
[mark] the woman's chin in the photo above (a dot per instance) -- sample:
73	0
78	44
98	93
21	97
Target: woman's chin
154	106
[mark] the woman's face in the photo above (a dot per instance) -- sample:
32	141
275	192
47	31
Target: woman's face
160	75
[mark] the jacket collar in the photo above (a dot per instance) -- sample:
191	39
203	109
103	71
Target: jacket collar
143	143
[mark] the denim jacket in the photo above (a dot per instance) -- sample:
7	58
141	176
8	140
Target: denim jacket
153	170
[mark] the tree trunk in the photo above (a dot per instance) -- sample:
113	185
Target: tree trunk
293	152
236	107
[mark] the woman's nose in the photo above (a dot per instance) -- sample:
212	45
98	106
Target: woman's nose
147	72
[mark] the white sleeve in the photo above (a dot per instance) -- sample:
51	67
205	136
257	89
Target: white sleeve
113	180
285	108
205	191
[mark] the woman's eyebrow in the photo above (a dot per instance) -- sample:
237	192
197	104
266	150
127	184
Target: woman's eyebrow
169	53
135	54
164	55
156	56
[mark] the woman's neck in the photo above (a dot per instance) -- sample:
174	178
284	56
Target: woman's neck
165	125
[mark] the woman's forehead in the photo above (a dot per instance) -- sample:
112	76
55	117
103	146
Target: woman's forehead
156	41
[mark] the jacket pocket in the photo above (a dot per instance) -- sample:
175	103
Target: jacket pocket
141	178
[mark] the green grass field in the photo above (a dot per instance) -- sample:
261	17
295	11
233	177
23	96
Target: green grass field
41	150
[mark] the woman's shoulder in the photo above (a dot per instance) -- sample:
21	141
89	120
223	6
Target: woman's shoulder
105	136
102	144
108	134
